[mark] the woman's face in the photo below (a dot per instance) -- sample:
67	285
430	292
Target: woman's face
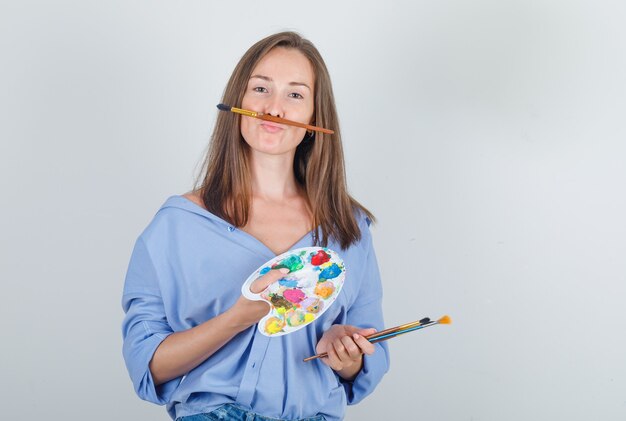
281	84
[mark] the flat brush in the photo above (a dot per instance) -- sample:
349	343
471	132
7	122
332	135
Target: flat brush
383	335
267	117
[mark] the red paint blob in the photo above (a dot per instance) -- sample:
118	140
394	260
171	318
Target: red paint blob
320	258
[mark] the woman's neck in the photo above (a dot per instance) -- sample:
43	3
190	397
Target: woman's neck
273	178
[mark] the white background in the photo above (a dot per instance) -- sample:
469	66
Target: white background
488	137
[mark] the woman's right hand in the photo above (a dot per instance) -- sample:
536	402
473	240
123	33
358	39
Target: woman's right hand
182	351
247	312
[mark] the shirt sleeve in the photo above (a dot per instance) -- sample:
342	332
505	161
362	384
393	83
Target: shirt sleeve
145	325
367	312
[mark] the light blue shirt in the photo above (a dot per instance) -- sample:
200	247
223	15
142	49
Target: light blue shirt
187	267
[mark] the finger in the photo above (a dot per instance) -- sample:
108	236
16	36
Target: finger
332	360
352	349
340	349
365	346
367	331
266	280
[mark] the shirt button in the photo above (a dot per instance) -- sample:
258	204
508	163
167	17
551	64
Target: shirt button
231	228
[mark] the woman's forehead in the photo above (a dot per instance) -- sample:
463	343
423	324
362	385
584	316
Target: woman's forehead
285	65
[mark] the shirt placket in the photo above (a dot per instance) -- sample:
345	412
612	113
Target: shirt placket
253	368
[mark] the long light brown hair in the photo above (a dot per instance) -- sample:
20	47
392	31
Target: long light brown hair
318	164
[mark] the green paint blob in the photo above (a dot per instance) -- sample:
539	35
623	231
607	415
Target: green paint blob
293	263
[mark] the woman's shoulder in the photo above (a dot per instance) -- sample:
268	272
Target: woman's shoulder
176	212
363	218
182	204
195	197
363	225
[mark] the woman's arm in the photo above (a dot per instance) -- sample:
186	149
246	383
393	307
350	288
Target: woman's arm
182	351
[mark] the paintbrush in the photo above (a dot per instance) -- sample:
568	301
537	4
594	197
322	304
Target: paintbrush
267	117
445	320
383	335
398	328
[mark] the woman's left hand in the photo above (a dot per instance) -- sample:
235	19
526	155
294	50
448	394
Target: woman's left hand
345	346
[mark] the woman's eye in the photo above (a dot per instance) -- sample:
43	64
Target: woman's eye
296	95
259	89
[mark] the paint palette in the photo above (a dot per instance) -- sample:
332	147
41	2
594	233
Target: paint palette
315	277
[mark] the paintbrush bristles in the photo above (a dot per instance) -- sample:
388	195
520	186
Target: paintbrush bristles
445	320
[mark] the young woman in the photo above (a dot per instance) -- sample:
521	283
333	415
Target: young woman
190	339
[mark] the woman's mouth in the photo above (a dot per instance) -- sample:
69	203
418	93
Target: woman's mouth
272	127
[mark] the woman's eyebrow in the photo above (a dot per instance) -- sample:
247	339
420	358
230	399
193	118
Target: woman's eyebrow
266	78
300	84
269	79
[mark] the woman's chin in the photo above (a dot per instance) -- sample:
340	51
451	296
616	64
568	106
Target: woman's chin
272	147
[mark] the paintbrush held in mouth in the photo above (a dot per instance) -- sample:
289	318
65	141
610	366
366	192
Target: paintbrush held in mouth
267	117
392	332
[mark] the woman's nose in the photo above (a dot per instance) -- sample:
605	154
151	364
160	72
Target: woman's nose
274	106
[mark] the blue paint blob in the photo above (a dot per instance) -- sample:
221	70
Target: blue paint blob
289	283
330	272
264	270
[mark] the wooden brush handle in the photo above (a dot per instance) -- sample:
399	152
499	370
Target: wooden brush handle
325	354
268	117
392	332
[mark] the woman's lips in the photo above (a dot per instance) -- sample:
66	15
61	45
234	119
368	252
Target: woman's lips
272	127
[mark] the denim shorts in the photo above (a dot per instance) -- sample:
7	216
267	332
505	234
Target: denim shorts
230	412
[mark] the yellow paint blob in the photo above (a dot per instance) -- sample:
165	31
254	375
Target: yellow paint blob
274	325
324	289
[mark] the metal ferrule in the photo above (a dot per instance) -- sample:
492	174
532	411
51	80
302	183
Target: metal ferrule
244	112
